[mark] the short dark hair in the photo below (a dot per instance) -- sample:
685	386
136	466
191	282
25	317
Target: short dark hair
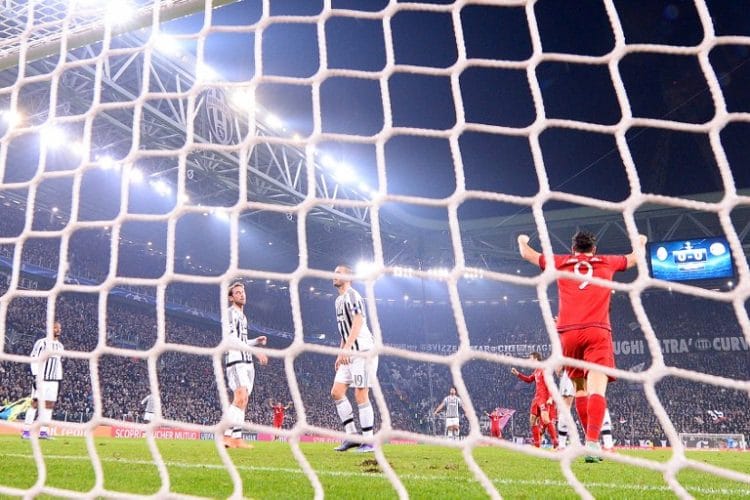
536	356
584	241
347	269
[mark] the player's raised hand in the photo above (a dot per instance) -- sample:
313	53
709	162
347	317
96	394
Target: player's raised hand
523	239
642	239
514	371
261	340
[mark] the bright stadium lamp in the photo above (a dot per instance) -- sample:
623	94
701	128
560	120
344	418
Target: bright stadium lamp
135	176
242	98
328	162
53	137
120	12
167	44
274	121
107	162
205	73
344	173
11	118
161	187
77	148
364	267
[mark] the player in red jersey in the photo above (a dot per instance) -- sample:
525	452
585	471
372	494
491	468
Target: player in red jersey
583	321
539	418
495	418
278	413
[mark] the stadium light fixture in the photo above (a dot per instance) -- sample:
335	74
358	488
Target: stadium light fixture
312	288
52	136
221	214
11	118
55	210
107	162
321	336
344	174
364	267
242	98
274	121
135	176
185	198
77	148
187	257
505	297
119	12
205	73
328	162
161	187
167	44
406	298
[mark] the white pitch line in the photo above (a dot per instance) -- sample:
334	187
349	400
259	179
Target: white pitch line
413	477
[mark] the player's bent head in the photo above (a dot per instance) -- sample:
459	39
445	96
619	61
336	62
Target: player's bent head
584	242
535	355
453	391
56	328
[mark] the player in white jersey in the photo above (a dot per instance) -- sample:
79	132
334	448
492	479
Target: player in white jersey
148	411
238	363
451	403
46	383
357	372
568	392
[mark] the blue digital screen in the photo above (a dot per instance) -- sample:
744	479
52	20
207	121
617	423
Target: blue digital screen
694	259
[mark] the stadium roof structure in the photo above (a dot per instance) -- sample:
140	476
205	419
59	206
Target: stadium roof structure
277	166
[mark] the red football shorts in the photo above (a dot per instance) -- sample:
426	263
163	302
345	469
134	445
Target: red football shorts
591	344
537	407
552	412
495	431
277	422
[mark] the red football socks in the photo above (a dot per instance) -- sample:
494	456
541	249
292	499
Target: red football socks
552	433
596	408
582	404
536	434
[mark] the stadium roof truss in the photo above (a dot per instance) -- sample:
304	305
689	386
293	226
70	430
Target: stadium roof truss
276	164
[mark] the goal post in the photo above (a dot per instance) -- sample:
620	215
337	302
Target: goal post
702	441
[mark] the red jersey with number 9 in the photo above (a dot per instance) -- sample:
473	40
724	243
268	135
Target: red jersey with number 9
583	304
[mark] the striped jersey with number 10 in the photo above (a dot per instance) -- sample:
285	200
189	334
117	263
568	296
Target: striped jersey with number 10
53	365
349	304
451	406
238	330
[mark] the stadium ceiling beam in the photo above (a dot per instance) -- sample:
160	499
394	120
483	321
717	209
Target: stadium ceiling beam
45	40
278	184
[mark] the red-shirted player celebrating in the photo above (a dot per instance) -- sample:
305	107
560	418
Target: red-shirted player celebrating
278	413
495	417
583	322
539	419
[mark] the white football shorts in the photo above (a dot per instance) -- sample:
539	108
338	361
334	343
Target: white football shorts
451	422
566	385
47	391
359	373
241	375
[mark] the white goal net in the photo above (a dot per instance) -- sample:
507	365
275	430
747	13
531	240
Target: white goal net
154	152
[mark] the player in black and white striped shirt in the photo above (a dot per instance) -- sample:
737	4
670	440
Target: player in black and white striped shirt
238	362
46	383
351	371
451	403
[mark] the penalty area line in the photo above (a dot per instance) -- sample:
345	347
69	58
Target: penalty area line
409	477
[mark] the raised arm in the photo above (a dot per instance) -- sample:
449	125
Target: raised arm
639	249
527	253
526	378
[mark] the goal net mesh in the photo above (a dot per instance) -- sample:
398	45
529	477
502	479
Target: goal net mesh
66	99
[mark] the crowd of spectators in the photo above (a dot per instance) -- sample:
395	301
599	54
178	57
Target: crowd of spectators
189	384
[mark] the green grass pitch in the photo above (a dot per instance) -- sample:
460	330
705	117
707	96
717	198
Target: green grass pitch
270	471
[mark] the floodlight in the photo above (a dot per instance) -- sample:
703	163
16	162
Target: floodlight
167	44
135	176
161	187
52	136
274	121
